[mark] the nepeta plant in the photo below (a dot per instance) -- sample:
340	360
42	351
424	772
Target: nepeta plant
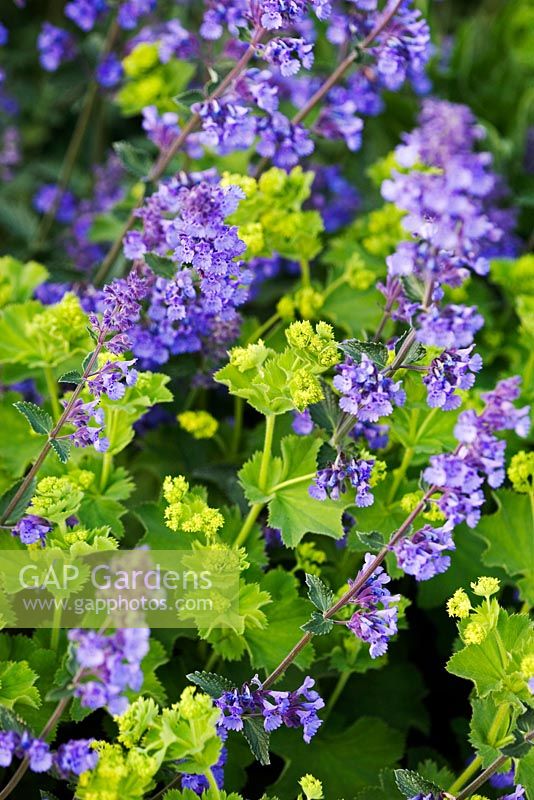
280	331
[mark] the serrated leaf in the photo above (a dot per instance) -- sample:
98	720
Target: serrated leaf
21	504
61	448
319	593
39	419
134	160
16	684
318	625
361	541
354	348
415	352
411	784
210	682
86	361
161	266
9	721
71	377
258	740
327	413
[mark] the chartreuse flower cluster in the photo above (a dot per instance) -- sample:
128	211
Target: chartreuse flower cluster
187	509
200	424
274	383
149	81
481	618
184	734
270	217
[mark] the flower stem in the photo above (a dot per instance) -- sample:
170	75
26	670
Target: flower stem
270	420
336	694
261	329
354	589
239	408
51	386
213	784
248	524
56	623
400	473
471	769
305	272
52	435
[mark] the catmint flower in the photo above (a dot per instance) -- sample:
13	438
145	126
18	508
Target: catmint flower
452	370
131	11
109	72
226	125
282	141
199	783
9	741
422	554
293	709
162	130
501	780
404	48
367	393
31	529
289	55
75	756
108	379
480	455
375	622
85	13
517	794
56	46
332	481
112	664
338	119
46	197
4	35
452	326
36	751
302	422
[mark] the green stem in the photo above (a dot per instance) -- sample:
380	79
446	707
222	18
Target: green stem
305	272
239	408
51	386
400	473
336	694
466	776
212	660
493	739
248	524
56	624
260	330
107	465
213	784
334	285
270	420
292	481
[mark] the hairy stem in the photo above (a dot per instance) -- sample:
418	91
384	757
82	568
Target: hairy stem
248	524
355	588
52	435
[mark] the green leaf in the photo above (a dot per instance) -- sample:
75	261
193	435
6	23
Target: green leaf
134	160
415	352
360	541
21	504
319	593
345	760
258	739
284	616
354	348
484	711
327	413
9	721
73	376
524	774
39	419
61	448
292	510
210	682
161	266
318	625
509	540
411	783
16	685
19	280
482	663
